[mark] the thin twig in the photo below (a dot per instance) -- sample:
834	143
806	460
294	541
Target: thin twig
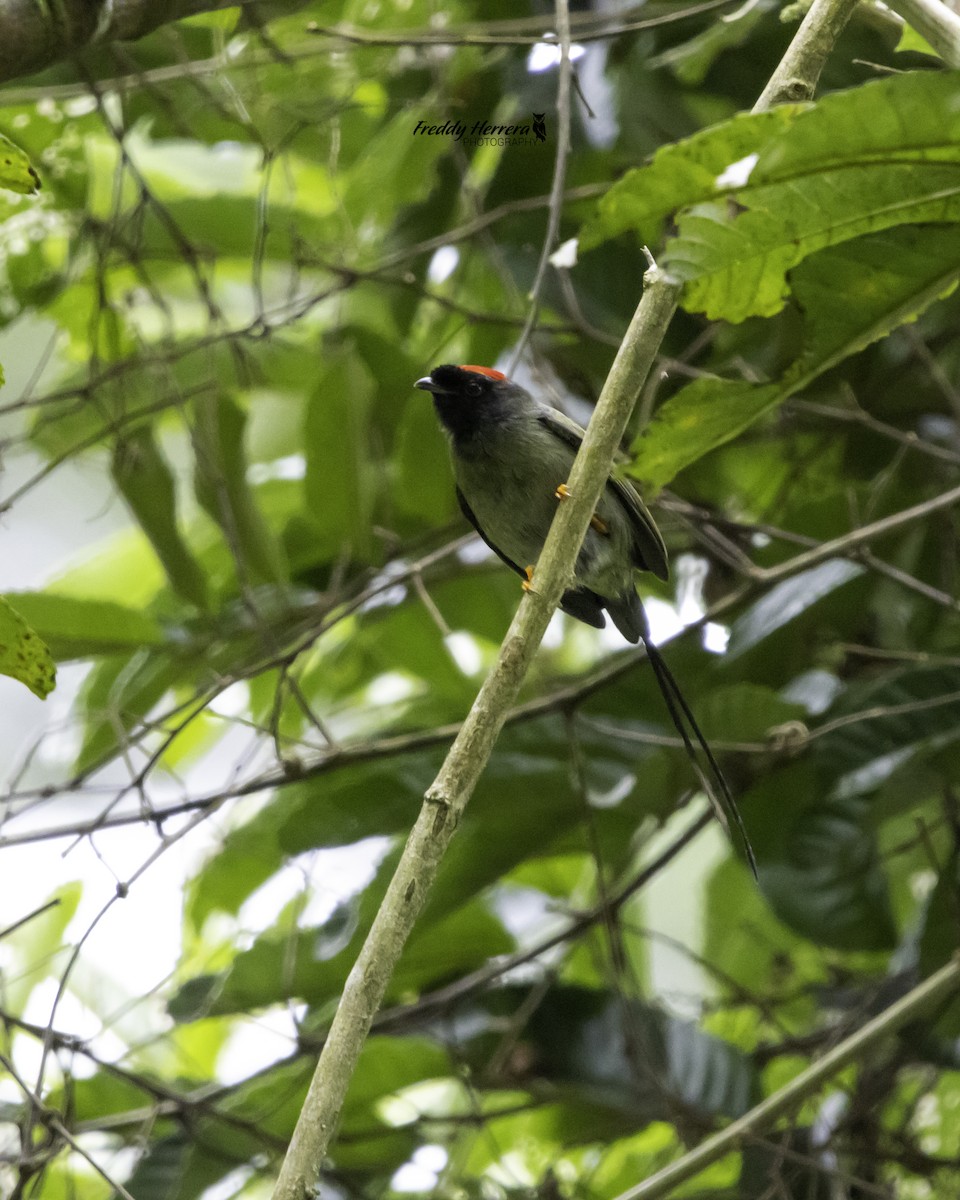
559	178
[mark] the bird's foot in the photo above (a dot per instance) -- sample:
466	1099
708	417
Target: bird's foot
527	584
598	523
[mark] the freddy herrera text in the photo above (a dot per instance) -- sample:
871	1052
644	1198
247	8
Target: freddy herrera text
457	129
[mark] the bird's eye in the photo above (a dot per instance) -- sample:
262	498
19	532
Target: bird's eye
474	387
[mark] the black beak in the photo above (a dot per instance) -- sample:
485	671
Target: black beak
426	384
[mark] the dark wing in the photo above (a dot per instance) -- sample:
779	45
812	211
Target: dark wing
585	605
649	552
629	617
469	514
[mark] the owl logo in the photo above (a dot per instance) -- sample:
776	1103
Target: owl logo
540	126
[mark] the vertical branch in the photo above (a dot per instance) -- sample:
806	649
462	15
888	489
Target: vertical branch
448	795
798	72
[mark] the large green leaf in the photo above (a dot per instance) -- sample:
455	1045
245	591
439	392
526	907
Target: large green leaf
341	481
801	179
77	628
819	866
876	726
851	295
785	601
681	174
630	1056
115	698
857	162
758	951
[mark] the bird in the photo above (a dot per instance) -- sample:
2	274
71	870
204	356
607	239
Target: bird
511	455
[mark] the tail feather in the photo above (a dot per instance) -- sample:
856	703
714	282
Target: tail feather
723	804
629	616
585	605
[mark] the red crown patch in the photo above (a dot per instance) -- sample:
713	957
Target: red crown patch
488	371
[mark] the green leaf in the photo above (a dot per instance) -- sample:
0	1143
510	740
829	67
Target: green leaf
341	482
102	1094
876	725
855	294
571	1025
388	1064
77	628
743	712
852	295
222	488
639	1156
910	40
116	696
160	1171
122	569
690	61
819	866
785	601
392	153
758	951
24	656
880	155
409	639
16	172
424	482
811	823
146	482
702	416
681	174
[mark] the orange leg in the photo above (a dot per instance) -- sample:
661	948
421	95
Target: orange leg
564	493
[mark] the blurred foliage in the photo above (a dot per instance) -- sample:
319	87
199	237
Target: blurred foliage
241	258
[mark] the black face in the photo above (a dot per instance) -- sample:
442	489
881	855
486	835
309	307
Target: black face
467	400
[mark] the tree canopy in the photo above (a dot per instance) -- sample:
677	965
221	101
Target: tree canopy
231	239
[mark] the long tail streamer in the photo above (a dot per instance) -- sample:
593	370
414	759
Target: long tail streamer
723	804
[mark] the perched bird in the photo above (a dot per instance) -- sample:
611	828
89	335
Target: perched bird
511	457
